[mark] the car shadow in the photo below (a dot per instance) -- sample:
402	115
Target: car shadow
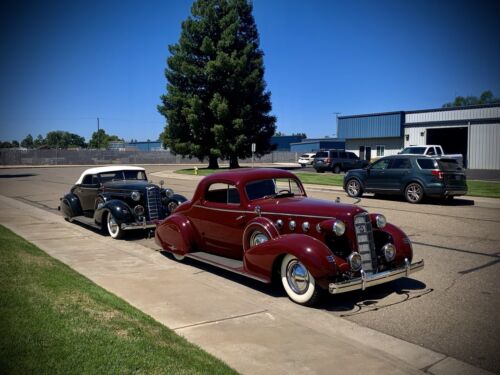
427	200
17	175
375	298
273	289
351	303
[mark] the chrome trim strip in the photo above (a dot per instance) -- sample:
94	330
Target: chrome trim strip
132	226
375	279
262	213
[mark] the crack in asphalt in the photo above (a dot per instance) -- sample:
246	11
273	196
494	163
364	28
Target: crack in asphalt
219	320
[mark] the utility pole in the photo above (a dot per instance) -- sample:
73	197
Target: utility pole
98	134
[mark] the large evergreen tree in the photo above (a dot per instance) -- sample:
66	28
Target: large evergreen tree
216	104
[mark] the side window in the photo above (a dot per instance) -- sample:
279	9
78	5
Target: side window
342	155
400	163
438	151
381	164
426	163
431	151
222	193
334	154
87	180
95	179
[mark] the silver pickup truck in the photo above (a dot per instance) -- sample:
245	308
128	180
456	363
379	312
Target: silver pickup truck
432	150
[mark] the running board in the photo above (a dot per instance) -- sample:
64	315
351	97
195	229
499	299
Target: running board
88	221
228	264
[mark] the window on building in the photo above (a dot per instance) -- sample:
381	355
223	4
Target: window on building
380	150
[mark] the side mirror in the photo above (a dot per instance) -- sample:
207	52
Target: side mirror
162	183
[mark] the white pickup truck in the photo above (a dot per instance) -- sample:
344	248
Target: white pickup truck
432	150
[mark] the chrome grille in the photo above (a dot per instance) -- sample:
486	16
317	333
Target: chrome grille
154	202
366	244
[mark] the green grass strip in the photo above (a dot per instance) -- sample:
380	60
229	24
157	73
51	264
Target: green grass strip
55	321
477	188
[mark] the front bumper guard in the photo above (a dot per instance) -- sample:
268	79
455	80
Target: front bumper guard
139	225
366	281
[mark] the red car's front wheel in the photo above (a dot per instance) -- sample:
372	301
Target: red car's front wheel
298	283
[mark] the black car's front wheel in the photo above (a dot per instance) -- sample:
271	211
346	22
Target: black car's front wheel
337	169
414	192
114	229
353	188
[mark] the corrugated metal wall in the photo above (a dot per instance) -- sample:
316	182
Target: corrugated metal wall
416	136
392	145
375	126
484	146
453	115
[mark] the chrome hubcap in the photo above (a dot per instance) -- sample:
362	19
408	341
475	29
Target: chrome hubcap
413	192
257	238
353	188
112	225
297	277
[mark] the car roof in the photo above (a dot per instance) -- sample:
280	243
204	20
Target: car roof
245	175
111	168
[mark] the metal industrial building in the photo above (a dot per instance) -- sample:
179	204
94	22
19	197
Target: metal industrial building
472	131
313	144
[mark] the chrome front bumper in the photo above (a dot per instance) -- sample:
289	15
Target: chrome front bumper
138	225
366	281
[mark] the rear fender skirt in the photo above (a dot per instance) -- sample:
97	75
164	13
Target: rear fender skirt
314	254
70	205
120	210
176	234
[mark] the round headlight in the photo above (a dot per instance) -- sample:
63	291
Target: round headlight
355	261
338	227
381	221
169	193
135	195
139	210
389	252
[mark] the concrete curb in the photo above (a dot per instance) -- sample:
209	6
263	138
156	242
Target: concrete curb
252	331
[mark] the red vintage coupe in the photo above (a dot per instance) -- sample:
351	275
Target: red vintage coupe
261	224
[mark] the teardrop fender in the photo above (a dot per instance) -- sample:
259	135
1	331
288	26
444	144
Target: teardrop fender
316	256
120	210
401	241
176	234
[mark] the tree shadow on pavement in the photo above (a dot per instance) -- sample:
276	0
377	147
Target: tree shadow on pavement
427	200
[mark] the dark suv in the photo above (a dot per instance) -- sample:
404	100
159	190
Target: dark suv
414	176
337	161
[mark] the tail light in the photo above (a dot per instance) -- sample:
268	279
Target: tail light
437	173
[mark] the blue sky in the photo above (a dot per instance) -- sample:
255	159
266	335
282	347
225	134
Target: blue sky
65	63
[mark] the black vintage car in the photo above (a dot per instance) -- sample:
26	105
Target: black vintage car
118	198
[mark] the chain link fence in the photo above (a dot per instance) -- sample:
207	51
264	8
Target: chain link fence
100	157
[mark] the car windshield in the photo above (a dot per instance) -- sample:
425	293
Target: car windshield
272	188
123	175
413	150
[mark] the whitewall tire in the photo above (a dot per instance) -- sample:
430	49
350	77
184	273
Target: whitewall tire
114	229
298	283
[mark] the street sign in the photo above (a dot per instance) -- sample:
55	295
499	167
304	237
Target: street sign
253	147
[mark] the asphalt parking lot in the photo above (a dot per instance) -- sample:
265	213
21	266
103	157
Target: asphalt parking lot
450	307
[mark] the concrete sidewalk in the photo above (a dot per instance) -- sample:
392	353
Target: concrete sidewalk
236	320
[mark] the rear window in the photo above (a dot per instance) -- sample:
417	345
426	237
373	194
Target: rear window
448	165
414	150
322	154
426	163
352	155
